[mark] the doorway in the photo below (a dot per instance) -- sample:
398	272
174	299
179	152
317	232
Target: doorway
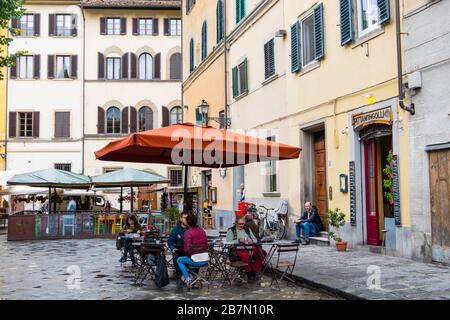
320	175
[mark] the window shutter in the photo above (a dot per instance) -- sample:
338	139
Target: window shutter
135	27
175	66
269	59
346	13
198	117
238	11
318	32
101	66
133	120
125	66
235	82
74	25
166	27
245	70
62	124
123	26
36	124
295	47
66	131
12	124
133	66
191	56
37	25
384	10
13	70
51	25
155	26
14	25
51	66
74	67
100	120
125	120
157	67
219	20
37	66
102	26
204	40
165	116
243	8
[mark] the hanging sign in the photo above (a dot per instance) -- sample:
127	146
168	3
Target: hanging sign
378	116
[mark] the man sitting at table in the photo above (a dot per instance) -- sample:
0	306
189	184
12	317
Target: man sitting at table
176	241
240	235
131	226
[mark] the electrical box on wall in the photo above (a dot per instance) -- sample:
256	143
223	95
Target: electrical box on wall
415	80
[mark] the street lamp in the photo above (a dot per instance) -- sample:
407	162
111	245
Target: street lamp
204	109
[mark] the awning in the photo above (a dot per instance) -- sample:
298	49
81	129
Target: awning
51	178
128	177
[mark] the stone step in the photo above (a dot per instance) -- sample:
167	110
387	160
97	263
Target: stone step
319	241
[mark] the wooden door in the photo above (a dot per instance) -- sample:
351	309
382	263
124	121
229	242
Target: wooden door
320	174
371	182
440	197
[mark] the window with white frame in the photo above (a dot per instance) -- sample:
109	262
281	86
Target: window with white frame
368	16
25	125
64	25
26	25
113	26
308	44
26	65
113	68
63	67
175	27
146	26
145	66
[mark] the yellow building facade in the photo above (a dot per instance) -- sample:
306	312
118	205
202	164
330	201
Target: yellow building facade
4	51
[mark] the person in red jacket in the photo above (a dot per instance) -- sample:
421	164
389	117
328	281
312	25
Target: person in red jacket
195	244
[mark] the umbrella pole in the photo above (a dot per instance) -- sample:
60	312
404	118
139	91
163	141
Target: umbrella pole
185	187
54	202
131	199
49	200
121	199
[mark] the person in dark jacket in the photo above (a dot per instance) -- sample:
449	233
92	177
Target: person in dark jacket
310	223
176	241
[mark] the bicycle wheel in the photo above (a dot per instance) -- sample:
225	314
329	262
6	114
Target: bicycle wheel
280	230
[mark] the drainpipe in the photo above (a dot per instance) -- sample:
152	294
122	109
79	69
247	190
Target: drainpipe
401	96
84	84
226	62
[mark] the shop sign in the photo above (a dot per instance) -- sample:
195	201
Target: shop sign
383	116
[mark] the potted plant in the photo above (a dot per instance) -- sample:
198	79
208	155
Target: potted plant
388	181
173	214
336	219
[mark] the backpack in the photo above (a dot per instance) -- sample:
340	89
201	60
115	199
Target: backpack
161	274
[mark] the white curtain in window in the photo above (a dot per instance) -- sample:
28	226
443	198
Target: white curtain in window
145	66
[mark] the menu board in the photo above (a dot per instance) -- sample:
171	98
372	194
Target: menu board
396	183
352	193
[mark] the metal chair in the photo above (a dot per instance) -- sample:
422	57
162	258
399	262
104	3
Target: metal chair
237	269
285	267
200	274
68	220
145	267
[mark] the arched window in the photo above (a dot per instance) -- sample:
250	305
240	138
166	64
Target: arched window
176	115
204	40
175	66
220	21
145	119
145	66
113	120
191	55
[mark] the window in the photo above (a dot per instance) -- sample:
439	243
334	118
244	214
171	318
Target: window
308	40
271	174
176	115
63	67
26	25
64	25
62	124
175	27
113	26
26	67
113	120
240	79
368	16
113	68
220	21
146	26
25	128
176	177
222	121
145	66
63	166
204	40
145	119
269	59
189	5
191	55
240	10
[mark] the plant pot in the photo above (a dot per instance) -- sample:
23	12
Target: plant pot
341	246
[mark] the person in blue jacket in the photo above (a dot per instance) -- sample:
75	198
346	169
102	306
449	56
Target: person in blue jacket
176	241
310	223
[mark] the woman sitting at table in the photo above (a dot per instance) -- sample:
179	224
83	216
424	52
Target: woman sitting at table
131	226
195	244
239	234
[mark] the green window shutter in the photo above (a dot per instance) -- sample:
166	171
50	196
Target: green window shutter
238	11
384	10
204	40
295	47
245	71
191	55
243	8
219	19
269	59
235	82
346	13
318	32
198	117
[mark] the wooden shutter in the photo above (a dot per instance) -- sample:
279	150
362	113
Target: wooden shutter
235	82
219	21
13	70
167	27
135	26
175	66
295	47
62	124
125	66
157	67
74	67
238	11
269	59
12	124
133	66
101	66
243	8
155	26
191	55
50	66
384	10
165	116
346	21
37	66
245	71
148	116
204	40
14	25
102	26
133	120
51	25
74	31
100	120
123	26
125	120
198	117
37	25
318	32
36	124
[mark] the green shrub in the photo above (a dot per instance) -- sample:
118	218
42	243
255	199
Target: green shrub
336	219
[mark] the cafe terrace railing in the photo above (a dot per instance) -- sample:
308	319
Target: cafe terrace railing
35	225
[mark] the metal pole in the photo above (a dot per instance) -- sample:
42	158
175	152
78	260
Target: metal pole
185	192
49	200
131	199
226	63
54	202
121	199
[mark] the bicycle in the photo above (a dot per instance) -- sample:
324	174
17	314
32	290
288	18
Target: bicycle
271	223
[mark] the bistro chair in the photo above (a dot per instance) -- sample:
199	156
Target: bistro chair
237	269
146	261
199	274
117	226
285	267
68	221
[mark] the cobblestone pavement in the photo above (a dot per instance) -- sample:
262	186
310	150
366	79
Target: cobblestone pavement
39	270
350	272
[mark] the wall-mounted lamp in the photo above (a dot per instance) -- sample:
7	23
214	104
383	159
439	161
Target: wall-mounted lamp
204	109
343	182
222	172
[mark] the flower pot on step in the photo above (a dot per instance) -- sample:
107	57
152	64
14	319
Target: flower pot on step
341	246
